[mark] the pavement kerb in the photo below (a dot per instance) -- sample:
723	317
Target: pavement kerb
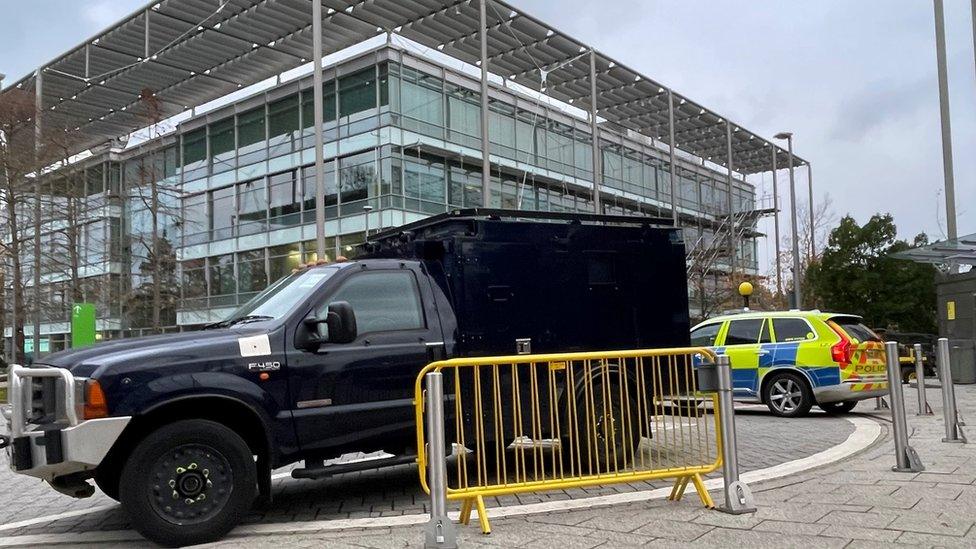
866	433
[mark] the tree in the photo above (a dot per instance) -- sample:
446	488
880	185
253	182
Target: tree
856	274
823	219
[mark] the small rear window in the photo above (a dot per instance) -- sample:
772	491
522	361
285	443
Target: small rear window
792	329
855	329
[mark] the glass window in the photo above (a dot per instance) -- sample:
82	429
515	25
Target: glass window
854	328
424	180
765	336
791	329
423	99
194	147
328	105
252	207
282	260
357	174
464	116
222	279
195	224
308	192
283	125
501	127
222	137
286	200
222	213
94	180
250	127
357	92
194	279
743	332
252	277
704	336
382	301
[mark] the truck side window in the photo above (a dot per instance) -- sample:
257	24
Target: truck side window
792	329
705	335
383	301
743	332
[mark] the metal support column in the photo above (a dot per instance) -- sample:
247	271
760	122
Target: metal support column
485	143
318	114
906	460
779	266
734	241
440	531
950	187
671	147
797	296
923	405
38	138
738	497
813	233
145	45
949	413
595	130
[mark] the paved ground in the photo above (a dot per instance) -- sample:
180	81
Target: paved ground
859	502
764	441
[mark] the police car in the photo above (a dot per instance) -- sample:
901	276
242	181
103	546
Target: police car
792	360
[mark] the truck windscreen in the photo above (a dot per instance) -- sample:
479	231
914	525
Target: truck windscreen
279	298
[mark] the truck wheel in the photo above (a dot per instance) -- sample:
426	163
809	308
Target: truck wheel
838	407
107	480
787	395
189	482
608	440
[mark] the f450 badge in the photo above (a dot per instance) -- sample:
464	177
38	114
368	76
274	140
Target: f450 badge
264	366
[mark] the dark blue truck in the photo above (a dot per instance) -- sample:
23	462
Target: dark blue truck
185	429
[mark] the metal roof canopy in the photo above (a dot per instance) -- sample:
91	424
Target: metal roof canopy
196	51
960	251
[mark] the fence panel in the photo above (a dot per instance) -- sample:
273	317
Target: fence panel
530	423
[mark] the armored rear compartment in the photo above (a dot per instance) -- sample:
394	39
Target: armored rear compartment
551	282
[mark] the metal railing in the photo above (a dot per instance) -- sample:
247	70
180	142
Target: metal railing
529	423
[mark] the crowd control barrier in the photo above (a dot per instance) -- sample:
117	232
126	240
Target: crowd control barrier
529	423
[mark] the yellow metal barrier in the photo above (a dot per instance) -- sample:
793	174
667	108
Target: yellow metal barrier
530	423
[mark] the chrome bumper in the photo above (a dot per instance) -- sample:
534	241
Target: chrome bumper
65	446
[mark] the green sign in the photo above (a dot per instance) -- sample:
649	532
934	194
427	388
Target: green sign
29	344
82	325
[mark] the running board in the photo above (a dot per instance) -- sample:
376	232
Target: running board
326	471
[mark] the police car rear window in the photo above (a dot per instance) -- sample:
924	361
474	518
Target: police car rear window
855	329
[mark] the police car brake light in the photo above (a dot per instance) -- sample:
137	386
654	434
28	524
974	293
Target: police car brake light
843	351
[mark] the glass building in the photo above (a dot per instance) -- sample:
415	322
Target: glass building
228	197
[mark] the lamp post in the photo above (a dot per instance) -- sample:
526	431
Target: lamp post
366	209
788	136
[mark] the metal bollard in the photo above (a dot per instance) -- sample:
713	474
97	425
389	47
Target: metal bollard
949	413
440	532
905	456
923	404
738	497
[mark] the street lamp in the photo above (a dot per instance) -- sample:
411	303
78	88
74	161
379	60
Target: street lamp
788	136
366	209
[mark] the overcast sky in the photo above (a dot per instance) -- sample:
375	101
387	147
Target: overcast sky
854	80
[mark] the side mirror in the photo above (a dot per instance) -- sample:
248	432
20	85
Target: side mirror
341	321
341	324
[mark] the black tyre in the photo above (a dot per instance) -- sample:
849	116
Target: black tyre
788	395
606	440
107	480
189	482
908	375
838	407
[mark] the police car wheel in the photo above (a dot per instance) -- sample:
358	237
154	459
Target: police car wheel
838	407
189	482
787	395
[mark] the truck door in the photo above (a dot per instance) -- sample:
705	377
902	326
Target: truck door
358	396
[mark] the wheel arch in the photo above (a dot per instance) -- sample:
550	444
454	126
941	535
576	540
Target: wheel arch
231	412
773	373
